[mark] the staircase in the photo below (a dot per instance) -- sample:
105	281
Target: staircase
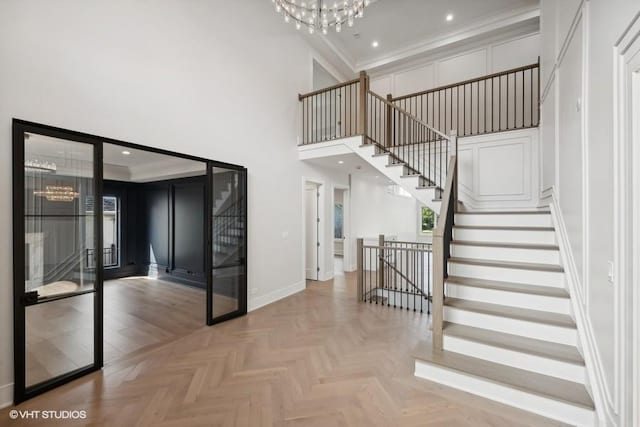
501	315
508	332
394	168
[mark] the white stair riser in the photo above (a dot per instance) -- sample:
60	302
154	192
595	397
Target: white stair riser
539	256
542	365
546	237
501	274
511	299
504	220
525	328
551	408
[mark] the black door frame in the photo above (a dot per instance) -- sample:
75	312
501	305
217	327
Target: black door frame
19	127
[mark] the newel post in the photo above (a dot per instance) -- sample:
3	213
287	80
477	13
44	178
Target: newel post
454	152
388	121
359	272
362	117
381	261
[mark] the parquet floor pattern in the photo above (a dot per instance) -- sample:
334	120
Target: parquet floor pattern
317	358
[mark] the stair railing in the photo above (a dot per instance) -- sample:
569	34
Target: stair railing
422	148
497	102
395	274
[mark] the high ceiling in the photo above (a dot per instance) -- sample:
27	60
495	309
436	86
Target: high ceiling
401	26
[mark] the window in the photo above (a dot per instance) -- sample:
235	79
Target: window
111	228
110	232
338	231
427	220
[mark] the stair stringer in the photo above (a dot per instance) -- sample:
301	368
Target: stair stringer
424	195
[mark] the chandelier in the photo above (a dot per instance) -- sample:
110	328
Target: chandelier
320	14
55	193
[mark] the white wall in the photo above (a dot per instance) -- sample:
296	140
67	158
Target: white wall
500	170
446	69
169	74
577	154
375	212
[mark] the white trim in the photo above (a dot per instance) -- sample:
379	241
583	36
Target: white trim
322	274
626	59
278	294
595	379
6	395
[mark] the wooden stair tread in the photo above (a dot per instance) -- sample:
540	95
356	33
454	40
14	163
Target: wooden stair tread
547	349
536	212
548	291
520	379
509	264
535	246
505	228
544	317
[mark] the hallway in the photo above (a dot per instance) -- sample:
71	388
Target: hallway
316	358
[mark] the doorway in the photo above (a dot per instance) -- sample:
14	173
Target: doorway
92	215
340	226
312	230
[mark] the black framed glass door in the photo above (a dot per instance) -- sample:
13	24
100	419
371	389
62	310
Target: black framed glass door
58	257
227	287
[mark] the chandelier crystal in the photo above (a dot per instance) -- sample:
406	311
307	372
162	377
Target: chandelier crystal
320	15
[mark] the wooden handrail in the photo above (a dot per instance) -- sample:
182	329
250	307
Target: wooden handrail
409	115
328	89
466	82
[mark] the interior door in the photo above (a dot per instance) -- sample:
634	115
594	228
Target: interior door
312	224
227	283
58	257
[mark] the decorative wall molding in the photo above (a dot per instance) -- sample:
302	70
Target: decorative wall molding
626	213
595	380
489	182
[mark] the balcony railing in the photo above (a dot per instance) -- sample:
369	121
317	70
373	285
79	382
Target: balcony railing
109	256
395	274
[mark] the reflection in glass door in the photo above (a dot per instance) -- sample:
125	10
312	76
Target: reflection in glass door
228	288
57	306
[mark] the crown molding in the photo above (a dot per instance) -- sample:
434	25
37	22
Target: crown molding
495	25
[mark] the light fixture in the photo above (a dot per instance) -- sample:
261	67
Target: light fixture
375	43
55	193
320	15
340	162
449	17
38	166
126	153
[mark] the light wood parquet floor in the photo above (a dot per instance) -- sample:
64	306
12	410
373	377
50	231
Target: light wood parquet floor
317	358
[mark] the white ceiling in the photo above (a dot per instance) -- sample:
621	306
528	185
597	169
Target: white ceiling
138	166
351	164
402	26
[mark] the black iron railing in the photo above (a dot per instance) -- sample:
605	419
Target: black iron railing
109	256
395	274
502	101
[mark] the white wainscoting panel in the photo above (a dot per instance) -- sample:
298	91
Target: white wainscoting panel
500	170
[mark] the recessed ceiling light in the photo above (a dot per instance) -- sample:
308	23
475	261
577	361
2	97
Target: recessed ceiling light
126	153
375	43
340	162
449	17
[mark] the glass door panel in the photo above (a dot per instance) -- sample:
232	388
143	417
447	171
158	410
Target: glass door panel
58	226
228	296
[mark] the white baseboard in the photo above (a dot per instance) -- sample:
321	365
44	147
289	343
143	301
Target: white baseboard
273	296
595	379
6	395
